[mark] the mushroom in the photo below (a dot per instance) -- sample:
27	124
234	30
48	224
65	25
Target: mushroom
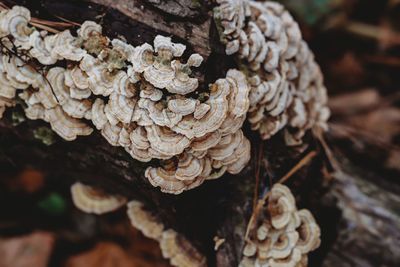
232	15
201	110
111	133
309	232
18	73
124	136
180	251
189	167
284	236
65	126
99	117
161	138
142	58
183	106
182	83
206	142
74	108
121	107
281	205
281	65
91	200
144	221
15	22
35	112
164	177
291	261
88	29
78	83
66	47
39	50
101	81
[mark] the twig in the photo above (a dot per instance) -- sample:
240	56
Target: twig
67	20
385	35
47	24
3	6
304	161
327	150
58	24
258	168
352	131
15	53
44	27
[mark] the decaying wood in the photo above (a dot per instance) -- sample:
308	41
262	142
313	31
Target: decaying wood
197	35
370	225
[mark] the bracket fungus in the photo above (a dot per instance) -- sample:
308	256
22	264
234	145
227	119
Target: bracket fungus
284	235
137	97
91	200
175	247
145	98
144	221
180	251
287	91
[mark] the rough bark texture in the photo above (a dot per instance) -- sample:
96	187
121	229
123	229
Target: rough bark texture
353	232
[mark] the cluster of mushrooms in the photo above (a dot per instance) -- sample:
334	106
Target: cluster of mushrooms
173	245
287	91
146	100
137	97
284	235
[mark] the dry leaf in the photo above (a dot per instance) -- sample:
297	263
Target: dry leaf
27	251
107	254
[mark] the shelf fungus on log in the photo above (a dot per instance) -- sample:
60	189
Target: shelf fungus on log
92	200
287	91
139	98
174	246
283	235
